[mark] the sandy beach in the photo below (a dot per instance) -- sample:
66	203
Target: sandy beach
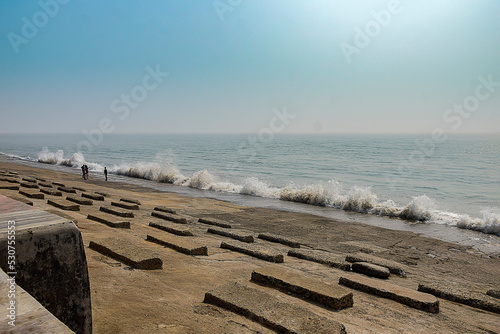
170	300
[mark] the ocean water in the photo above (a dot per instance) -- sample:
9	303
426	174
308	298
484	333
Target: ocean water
417	178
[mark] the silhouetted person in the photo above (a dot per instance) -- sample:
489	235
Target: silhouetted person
106	173
83	171
87	171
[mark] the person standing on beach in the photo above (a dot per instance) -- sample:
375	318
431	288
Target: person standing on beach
87	171
83	171
106	173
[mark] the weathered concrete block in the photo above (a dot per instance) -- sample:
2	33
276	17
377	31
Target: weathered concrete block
268	311
131	254
125	205
51	192
172	228
79	189
179	244
179	219
279	239
394	267
8	186
67	190
44	184
233	234
215	222
29	185
130	200
477	300
12	180
58	184
109	221
328	259
32	194
63	204
330	295
93	196
371	269
412	298
117	212
493	293
40	179
79	200
102	193
165	209
29	179
258	251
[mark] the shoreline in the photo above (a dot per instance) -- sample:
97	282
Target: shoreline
171	299
483	242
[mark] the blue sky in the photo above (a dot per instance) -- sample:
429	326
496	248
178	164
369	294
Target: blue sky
230	63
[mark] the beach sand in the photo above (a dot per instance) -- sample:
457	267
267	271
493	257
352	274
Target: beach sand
170	300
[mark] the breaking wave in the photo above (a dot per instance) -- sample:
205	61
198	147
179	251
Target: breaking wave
327	194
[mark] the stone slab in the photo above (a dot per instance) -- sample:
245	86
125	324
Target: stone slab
133	255
12	180
125	205
130	200
59	184
254	250
67	190
32	194
45	184
279	239
179	219
8	186
79	200
371	269
165	209
40	179
29	185
215	222
473	299
233	234
95	197
329	295
63	204
394	267
102	193
172	228
493	293
29	179
179	244
419	300
117	212
109	221
51	192
328	259
79	189
269	311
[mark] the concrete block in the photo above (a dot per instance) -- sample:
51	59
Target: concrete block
215	222
67	190
45	184
79	200
58	184
172	228
29	185
394	267
326	258
179	244
50	191
29	179
233	234
109	221
117	212
93	196
371	269
268	311
32	194
102	193
254	250
125	205
133	255
8	186
279	239
130	200
179	219
165	209
473	299
63	204
422	301
329	295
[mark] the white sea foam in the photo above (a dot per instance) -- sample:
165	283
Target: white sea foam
329	194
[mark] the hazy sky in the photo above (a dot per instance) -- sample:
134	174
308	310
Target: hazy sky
337	66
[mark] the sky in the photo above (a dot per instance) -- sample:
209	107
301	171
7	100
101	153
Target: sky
243	66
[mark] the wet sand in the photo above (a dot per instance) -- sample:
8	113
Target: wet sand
170	300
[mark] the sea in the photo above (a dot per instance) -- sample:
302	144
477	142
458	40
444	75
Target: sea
434	185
